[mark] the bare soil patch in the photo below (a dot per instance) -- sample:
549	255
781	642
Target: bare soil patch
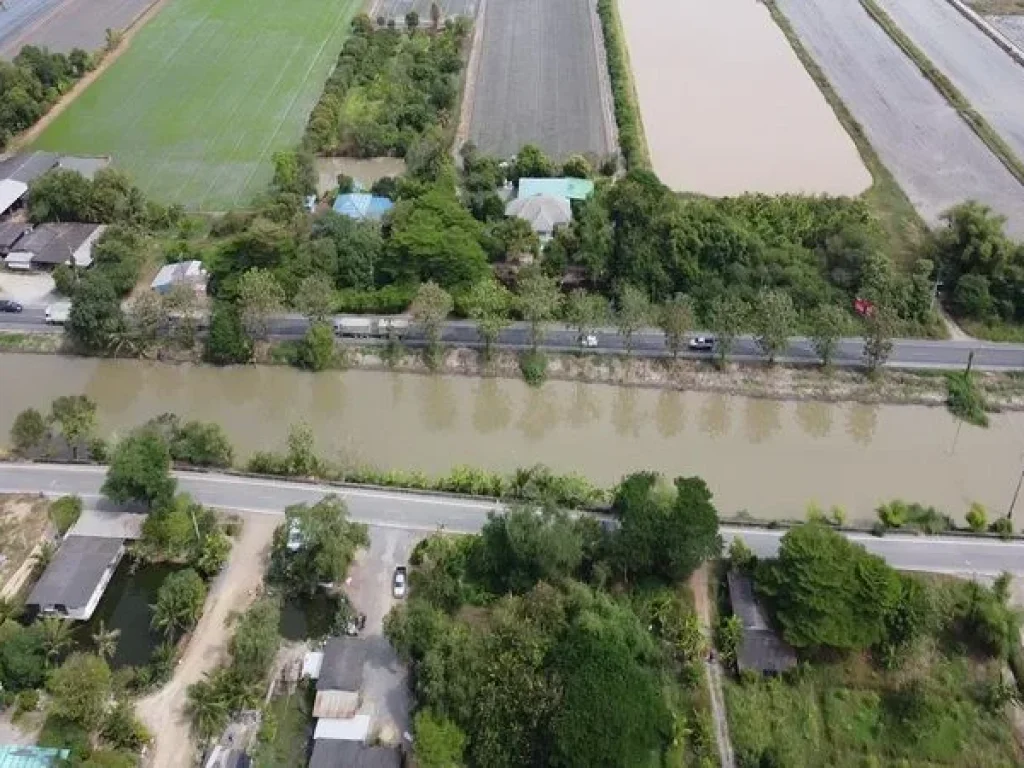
231	592
24	523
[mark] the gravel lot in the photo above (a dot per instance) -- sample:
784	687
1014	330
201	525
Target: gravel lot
396	9
61	26
933	154
542	80
992	81
33	289
1011	26
386	696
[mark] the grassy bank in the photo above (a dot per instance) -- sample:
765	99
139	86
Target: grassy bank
998	7
966	400
903	226
32	342
632	139
950	92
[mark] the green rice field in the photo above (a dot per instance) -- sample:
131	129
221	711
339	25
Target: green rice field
207	92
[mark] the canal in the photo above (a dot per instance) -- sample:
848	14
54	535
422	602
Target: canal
763	457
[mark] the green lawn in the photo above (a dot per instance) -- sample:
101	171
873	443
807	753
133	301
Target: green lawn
206	93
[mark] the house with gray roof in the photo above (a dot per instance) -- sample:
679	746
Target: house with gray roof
761	649
48	245
28	166
335	753
544	213
74	581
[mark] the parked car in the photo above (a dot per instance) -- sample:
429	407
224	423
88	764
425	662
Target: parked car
6	305
589	341
702	344
398	583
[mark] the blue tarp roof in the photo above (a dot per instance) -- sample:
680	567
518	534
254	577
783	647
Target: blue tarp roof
31	757
574	189
358	205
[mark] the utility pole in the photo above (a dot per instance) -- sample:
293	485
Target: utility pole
1016	493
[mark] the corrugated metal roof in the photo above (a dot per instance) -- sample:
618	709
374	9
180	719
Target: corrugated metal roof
28	167
568	187
332	753
56	243
342	667
75	571
359	205
181	272
349	729
31	757
11	192
311	664
761	648
542	212
336	704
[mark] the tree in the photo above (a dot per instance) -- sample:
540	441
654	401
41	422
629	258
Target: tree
65	279
79	690
179	603
730	636
531	162
539	300
140	470
28	431
259	297
435	22
55	637
634	312
96	321
228	343
666	531
201	444
727	316
207	707
577	166
585	312
22	656
828	592
255	642
972	297
212	554
430	309
316	350
828	324
675	318
144	319
75	415
412	20
774	319
488	304
329	541
438	742
105	640
315	297
977	517
878	328
182	307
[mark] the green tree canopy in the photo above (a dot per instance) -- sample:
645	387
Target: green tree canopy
179	603
140	470
79	689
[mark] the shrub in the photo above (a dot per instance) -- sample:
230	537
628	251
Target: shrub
64	512
534	367
965	400
1003	526
27	701
977	517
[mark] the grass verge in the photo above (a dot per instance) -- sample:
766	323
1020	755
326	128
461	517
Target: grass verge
632	139
949	92
965	399
903	227
283	742
31	342
997	7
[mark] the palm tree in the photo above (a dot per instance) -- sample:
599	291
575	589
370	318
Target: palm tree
55	636
9	609
207	707
105	640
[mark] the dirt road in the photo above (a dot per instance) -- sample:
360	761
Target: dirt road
702	604
235	588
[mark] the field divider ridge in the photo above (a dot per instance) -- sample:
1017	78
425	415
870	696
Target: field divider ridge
472	71
988	135
991	32
626	103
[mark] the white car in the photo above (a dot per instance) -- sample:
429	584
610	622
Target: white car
589	341
702	344
398	583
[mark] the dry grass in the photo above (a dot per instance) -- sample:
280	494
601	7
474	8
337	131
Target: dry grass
998	7
24	520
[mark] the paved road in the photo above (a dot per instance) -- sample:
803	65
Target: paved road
423	512
907	353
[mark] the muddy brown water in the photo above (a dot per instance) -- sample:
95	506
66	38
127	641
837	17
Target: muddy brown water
365	172
767	457
726	105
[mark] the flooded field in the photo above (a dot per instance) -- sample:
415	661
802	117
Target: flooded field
726	105
766	457
364	171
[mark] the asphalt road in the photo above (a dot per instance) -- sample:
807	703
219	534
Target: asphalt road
907	353
425	512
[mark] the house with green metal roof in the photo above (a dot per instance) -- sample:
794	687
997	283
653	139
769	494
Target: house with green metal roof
567	187
31	757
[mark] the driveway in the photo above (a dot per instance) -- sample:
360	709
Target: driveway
386	696
33	289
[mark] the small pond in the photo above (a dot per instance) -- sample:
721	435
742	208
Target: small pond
126	606
308	618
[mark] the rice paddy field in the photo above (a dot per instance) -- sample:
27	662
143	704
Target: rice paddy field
194	110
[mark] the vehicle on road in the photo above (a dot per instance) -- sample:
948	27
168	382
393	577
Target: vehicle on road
702	344
589	341
58	313
6	305
296	540
398	583
370	327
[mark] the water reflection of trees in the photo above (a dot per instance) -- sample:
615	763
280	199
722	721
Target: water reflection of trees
584	408
627	416
491	411
439	407
861	421
814	417
714	416
669	413
540	412
762	419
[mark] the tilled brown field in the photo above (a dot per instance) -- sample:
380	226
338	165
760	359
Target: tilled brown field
71	24
936	158
541	79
